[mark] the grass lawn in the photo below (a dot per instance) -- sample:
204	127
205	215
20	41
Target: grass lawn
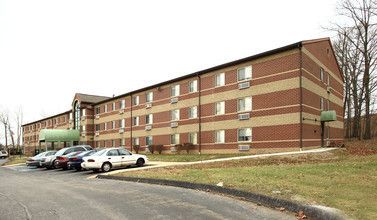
189	157
15	159
337	179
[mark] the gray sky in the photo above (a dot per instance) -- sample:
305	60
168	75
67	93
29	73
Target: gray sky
49	50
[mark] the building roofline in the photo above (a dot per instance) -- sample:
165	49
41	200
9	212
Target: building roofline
198	73
49	117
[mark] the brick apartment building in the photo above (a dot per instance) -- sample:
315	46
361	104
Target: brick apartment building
270	101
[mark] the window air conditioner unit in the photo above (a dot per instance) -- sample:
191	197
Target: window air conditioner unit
174	100
148	127
245	116
148	105
174	124
121	130
97	116
83	118
97	133
328	89
244	147
244	85
83	134
121	111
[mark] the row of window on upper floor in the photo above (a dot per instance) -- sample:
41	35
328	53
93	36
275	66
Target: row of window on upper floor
244	105
243	135
243	74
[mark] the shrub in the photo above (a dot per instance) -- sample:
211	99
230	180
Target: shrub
178	148
151	148
188	147
136	148
159	148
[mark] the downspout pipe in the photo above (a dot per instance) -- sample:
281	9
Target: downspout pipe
301	98
200	114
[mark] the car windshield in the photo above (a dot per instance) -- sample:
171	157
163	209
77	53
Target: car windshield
50	153
100	153
60	152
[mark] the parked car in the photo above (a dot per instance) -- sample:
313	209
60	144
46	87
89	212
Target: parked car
74	162
62	161
3	154
36	160
111	158
50	161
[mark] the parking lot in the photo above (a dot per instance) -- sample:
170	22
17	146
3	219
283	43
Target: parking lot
36	193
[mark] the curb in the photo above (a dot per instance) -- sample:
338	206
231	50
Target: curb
313	212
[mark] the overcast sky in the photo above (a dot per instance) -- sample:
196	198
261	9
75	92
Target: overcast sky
49	50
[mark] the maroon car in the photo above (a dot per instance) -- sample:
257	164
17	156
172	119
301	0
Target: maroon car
62	161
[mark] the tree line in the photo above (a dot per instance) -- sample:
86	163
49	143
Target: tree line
355	46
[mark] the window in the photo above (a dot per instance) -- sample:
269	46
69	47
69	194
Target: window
135	121
135	141
84	112
174	115
174	139
175	90
328	105
149	119
193	112
193	86
220	136
244	104
220	108
113	125
244	73
97	127
122	104
105	126
220	79
105	108
149	97
148	140
124	152
321	74
123	123
112	153
113	107
98	110
328	79
113	143
321	103
83	128
244	134
193	138
122	142
135	100
77	110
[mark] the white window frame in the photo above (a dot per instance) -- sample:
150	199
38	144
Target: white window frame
321	74
83	128
135	100
149	97
193	86
123	123
135	141
122	104
220	136
222	108
137	121
220	79
246	129
150	119
247	71
175	115
146	140
175	90
247	108
193	136
84	112
113	106
105	108
321	103
174	139
122	142
105	127
113	125
191	111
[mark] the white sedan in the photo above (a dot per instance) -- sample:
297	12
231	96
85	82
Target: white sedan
110	158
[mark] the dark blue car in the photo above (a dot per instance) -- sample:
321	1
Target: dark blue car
74	162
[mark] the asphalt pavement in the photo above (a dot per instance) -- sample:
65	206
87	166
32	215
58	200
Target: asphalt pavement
2	161
30	193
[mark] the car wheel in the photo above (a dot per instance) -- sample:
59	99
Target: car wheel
53	164
140	162
106	167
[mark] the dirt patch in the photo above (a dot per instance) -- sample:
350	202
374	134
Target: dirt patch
362	147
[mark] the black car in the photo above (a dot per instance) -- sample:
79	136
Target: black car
52	162
74	162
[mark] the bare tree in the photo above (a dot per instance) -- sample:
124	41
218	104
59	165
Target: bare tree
362	16
4	120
